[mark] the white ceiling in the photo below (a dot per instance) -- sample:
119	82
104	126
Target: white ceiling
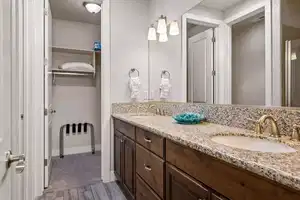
73	10
221	5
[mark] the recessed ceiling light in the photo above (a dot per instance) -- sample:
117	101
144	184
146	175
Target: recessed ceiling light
92	7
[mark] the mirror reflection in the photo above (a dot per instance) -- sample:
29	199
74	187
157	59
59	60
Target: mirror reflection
230	54
248	61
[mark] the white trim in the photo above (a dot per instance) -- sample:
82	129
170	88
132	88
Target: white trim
204	21
106	133
277	45
76	150
34	96
112	175
243	14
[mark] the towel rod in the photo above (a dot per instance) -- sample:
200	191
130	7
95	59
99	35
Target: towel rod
166	73
132	71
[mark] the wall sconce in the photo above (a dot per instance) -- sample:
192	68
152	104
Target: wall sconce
162	30
162	25
163	37
174	28
152	33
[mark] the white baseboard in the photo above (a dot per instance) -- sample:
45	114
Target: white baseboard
112	176
76	150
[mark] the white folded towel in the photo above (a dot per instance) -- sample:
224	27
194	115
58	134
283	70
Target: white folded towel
77	66
134	86
165	88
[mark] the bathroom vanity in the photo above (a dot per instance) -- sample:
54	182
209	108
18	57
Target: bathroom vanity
156	159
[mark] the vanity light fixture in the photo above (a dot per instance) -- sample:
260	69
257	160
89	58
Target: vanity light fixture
152	33
162	25
92	7
163	37
174	28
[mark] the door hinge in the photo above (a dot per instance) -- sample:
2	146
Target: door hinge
45	61
46	12
45	111
213	39
213	73
45	162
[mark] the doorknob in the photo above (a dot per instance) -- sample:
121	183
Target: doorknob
19	159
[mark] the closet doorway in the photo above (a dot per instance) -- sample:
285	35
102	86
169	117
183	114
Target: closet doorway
72	96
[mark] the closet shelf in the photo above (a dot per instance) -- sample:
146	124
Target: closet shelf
73	51
72	73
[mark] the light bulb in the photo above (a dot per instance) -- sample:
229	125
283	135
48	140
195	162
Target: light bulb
162	25
92	7
294	56
163	37
152	33
174	28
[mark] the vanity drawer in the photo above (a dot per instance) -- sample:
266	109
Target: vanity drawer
125	128
143	191
228	180
150	141
151	168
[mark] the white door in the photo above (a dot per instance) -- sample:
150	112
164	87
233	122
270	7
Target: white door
12	162
200	68
48	93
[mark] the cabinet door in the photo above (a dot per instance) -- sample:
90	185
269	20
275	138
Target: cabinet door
180	186
217	197
129	165
118	158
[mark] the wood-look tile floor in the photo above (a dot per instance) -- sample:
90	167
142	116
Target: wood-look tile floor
77	177
74	171
98	191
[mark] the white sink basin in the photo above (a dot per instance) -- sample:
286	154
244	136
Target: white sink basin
253	144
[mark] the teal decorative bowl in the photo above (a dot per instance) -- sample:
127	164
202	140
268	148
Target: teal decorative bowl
189	118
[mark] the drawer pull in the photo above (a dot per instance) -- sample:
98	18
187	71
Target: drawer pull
148	168
147	140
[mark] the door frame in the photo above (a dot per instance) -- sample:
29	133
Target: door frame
34	102
219	58
34	96
244	12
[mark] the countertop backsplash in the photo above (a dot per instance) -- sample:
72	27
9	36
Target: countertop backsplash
229	115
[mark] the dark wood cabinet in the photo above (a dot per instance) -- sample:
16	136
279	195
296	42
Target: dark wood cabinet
180	186
217	197
124	162
143	191
151	167
129	165
118	151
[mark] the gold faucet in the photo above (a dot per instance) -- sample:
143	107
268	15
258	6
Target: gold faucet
159	111
296	134
275	131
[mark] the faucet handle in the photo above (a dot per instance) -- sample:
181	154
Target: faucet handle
258	126
296	134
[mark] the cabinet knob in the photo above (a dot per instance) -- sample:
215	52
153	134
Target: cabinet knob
147	140
122	141
148	168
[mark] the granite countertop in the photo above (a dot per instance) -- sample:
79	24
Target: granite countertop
283	168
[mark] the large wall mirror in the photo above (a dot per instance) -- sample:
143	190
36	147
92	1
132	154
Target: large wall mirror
227	54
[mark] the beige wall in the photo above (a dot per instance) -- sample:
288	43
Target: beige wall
248	64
